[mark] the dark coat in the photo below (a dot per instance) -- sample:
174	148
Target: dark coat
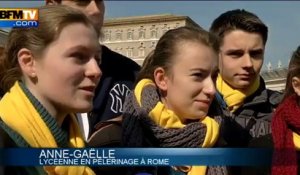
118	78
250	124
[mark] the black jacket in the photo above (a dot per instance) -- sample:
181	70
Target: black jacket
119	74
250	124
250	121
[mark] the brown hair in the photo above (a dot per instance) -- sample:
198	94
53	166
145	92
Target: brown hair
1	60
239	20
52	19
165	49
293	71
1	53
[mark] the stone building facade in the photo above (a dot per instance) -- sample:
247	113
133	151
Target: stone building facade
136	36
275	79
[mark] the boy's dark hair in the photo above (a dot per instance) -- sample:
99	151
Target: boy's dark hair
239	19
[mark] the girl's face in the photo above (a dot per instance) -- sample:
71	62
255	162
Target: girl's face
189	88
296	85
67	73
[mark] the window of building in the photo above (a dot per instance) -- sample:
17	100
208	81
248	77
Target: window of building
130	34
107	35
142	32
165	29
130	52
119	35
141	50
153	34
153	44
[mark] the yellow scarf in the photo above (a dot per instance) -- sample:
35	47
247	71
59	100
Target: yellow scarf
234	98
168	119
19	114
296	139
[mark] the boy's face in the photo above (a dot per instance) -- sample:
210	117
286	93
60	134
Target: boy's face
241	58
94	9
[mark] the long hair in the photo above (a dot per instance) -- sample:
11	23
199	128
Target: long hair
293	71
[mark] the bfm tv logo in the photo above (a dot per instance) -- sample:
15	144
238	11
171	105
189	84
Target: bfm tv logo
19	17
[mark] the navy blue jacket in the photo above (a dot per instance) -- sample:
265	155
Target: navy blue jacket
119	74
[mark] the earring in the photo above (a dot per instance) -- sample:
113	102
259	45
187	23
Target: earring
33	75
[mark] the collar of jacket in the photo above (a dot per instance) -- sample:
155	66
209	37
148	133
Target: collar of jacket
259	97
